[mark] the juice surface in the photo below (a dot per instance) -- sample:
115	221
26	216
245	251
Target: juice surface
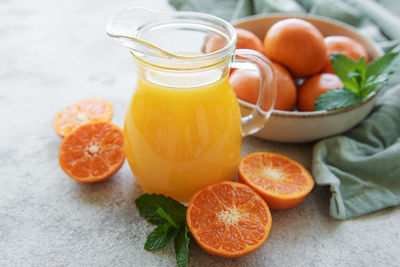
178	140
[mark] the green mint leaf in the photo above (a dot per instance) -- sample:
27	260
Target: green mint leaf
337	98
149	203
345	68
378	73
382	65
181	243
374	82
362	69
353	74
160	237
359	80
165	216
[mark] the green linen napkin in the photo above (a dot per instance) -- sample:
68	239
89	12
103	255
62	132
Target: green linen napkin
362	166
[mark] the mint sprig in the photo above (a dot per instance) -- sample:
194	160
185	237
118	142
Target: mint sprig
166	217
181	243
149	203
337	98
358	78
170	216
160	237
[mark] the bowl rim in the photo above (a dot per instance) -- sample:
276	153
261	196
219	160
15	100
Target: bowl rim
300	114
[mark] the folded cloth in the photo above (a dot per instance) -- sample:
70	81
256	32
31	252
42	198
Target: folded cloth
234	9
362	166
359	13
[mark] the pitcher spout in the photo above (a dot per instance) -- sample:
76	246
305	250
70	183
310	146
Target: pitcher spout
172	40
126	25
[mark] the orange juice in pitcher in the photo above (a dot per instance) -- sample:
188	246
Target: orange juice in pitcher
183	128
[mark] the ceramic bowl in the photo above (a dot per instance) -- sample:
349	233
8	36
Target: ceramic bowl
300	127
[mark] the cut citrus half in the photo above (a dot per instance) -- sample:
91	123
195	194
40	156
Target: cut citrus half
83	111
281	181
228	219
92	152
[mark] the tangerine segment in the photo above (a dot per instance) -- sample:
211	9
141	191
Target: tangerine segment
281	181
228	219
92	152
83	111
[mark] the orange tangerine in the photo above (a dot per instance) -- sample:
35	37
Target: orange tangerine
337	44
228	219
83	111
315	86
281	181
296	44
93	152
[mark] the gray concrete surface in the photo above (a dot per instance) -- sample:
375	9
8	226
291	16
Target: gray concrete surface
53	53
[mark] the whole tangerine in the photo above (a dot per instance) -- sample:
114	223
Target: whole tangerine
246	83
314	87
245	40
213	42
337	44
298	45
286	96
248	40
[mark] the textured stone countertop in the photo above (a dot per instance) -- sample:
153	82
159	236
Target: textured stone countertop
54	53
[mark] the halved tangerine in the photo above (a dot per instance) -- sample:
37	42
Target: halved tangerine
92	152
281	181
228	219
81	112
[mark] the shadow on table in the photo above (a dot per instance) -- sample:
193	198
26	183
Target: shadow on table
120	188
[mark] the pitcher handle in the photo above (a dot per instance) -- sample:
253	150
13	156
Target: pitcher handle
260	112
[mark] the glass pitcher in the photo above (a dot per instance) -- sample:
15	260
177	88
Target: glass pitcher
183	128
